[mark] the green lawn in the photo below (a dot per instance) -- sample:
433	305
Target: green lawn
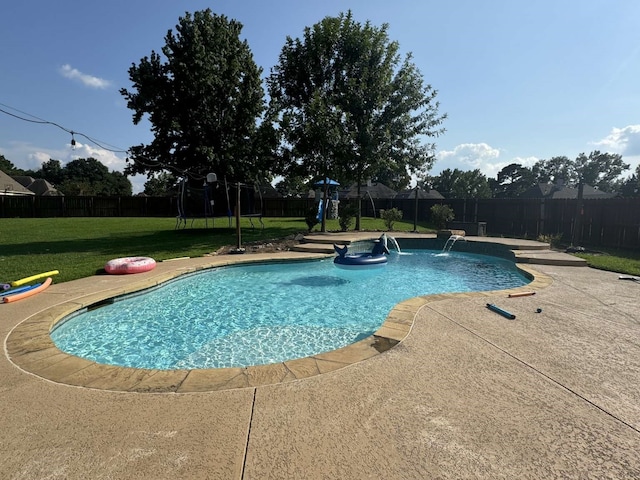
621	261
80	247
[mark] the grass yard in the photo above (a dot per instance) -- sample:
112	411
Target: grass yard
612	260
80	247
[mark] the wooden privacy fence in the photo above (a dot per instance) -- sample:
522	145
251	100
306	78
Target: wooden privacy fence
610	222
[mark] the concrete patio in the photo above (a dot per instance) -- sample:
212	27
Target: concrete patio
467	393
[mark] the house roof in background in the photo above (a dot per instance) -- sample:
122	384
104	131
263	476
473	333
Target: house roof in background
10	186
39	186
422	193
554	191
376	190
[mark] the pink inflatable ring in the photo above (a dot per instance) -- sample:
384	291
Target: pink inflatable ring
122	266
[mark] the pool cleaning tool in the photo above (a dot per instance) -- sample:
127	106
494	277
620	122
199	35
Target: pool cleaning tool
22	281
629	277
521	294
27	293
502	312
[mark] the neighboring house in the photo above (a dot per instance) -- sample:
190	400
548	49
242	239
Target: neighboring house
375	190
411	194
266	190
11	187
39	186
556	190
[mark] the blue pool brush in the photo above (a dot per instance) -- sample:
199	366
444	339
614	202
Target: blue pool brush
502	312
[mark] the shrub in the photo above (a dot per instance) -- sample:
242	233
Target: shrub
441	214
346	215
311	218
390	216
553	240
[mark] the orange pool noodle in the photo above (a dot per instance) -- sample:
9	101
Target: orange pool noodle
28	293
521	294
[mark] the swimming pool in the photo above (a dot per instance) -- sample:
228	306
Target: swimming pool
267	313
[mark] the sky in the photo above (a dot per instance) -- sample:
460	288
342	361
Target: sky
520	81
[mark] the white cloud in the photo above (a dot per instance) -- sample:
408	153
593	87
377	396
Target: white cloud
31	157
625	141
88	80
481	156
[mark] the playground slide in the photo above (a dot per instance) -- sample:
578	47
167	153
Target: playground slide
320	208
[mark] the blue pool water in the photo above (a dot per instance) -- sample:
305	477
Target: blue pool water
267	313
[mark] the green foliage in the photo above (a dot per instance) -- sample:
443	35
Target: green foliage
83	176
203	102
512	181
311	218
8	167
390	216
552	239
293	186
346	103
87	176
162	184
462	184
346	215
441	214
599	170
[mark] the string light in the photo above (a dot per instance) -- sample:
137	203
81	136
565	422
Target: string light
153	164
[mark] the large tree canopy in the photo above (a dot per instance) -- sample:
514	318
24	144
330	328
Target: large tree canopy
203	102
598	169
348	105
462	184
512	181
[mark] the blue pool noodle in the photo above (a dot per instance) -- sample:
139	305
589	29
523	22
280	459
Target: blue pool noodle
502	312
19	289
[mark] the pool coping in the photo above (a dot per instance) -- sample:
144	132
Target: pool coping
30	348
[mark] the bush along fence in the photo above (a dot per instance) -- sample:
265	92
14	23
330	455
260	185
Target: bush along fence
609	222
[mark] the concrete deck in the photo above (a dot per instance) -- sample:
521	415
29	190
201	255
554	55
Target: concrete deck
467	393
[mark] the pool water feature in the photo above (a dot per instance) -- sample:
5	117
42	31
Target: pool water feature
267	313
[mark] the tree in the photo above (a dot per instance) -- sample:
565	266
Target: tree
554	170
88	176
52	171
8	167
630	187
293	186
512	181
346	103
462	184
203	102
600	170
162	184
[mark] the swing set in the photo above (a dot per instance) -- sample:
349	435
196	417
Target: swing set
194	203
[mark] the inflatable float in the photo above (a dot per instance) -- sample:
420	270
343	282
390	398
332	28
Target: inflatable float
377	257
128	265
27	292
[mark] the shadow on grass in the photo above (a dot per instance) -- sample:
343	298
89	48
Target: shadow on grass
167	242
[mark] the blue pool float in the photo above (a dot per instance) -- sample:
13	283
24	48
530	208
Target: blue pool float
375	258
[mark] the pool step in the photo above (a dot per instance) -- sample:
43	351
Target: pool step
548	257
320	243
313	248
